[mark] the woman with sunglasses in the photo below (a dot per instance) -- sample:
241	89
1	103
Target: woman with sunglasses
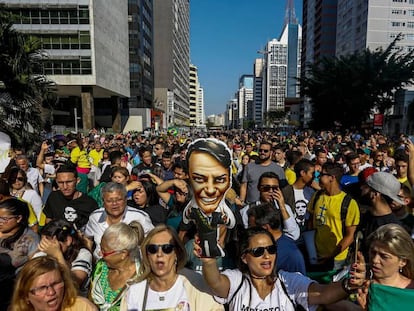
19	188
119	264
44	284
17	244
160	285
257	285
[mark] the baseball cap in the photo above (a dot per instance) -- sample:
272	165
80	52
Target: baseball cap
386	184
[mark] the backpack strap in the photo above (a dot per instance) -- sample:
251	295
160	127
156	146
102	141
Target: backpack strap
344	210
238	288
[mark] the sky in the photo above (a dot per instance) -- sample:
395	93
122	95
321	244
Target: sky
225	36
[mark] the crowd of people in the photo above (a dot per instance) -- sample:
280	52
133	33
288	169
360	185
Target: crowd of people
107	222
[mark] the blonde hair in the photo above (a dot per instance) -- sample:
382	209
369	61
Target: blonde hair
145	268
122	236
398	242
33	269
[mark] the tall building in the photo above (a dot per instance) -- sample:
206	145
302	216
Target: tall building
200	116
81	38
373	24
139	112
171	60
258	90
282	67
318	39
193	94
245	98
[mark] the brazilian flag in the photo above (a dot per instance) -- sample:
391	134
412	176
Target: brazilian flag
385	298
173	131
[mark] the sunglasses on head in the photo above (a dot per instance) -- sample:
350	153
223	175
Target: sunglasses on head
266	188
259	251
166	248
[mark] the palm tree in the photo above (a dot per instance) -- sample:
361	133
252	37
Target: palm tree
345	90
23	90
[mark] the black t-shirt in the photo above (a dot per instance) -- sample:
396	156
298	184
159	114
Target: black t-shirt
75	211
369	223
157	213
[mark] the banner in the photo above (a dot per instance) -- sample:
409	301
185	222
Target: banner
378	121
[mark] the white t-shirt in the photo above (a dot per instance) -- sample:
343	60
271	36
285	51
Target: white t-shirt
173	299
247	298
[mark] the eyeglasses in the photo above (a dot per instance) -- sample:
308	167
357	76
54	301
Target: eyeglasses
264	150
166	248
259	251
266	188
6	219
106	254
18	179
43	290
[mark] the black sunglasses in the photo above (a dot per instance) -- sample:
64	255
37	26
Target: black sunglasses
18	178
264	150
259	251
166	248
266	188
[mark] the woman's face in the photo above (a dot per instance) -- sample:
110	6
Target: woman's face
18	182
162	265
47	292
8	223
147	158
140	196
210	180
119	178
262	265
245	160
384	265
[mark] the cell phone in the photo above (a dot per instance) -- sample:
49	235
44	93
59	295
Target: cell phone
358	239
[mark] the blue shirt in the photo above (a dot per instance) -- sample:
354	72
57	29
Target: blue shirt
289	257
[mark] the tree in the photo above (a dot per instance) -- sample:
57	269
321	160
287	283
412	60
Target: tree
23	90
345	90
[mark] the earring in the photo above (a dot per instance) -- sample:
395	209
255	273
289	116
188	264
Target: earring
400	270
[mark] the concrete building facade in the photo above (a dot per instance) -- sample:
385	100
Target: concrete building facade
87	46
171	60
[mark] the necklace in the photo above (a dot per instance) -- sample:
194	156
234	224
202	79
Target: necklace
258	277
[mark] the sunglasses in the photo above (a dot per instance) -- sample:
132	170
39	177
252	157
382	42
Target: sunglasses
266	188
259	251
166	248
264	150
18	179
109	253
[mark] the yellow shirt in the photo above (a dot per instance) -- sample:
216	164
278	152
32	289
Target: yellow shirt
80	158
328	224
96	156
290	176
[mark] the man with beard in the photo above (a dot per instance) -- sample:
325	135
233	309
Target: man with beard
248	189
379	192
401	210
